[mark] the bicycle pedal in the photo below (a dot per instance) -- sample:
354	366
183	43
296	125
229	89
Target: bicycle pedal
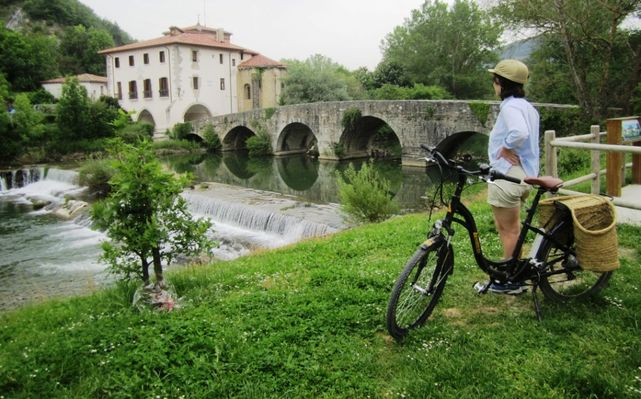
481	288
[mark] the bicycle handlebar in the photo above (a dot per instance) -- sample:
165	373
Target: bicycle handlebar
484	170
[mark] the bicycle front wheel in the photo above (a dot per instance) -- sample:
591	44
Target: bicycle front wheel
418	288
564	279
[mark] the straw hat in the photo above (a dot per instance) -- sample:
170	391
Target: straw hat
513	70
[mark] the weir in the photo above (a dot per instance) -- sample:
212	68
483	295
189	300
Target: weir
282	219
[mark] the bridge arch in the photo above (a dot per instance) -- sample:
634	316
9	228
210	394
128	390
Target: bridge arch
465	142
145	116
236	138
296	138
196	112
370	137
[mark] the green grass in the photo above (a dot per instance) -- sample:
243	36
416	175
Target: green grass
307	321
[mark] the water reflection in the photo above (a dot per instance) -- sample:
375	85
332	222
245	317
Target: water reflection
310	179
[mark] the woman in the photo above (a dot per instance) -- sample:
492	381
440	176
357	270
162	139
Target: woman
513	150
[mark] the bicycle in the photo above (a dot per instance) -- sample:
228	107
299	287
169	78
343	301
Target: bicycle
551	264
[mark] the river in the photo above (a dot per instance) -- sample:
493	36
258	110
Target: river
253	204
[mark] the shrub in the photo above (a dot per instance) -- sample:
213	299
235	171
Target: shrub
350	118
259	145
180	131
136	132
211	139
95	175
364	195
572	160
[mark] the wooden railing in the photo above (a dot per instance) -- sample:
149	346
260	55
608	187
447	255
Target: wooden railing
552	144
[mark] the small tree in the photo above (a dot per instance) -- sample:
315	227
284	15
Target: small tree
211	139
365	195
145	217
73	109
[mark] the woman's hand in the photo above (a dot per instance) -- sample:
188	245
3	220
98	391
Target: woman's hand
509	155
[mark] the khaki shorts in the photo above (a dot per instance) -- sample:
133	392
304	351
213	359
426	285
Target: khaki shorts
505	194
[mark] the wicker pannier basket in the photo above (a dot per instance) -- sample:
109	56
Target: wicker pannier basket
594	229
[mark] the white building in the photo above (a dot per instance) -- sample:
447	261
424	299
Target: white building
95	85
187	74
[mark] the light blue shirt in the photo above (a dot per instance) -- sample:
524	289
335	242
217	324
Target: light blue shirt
517	129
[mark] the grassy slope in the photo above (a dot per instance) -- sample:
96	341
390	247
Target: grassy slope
308	321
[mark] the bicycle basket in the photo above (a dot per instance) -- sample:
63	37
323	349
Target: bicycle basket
594	228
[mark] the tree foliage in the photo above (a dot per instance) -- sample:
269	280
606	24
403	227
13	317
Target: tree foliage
145	217
79	47
585	44
27	59
73	110
317	79
446	46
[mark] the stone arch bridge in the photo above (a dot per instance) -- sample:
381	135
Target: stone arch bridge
319	127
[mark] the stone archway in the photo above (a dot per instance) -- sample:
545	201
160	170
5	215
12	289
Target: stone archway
146	117
236	138
466	142
370	137
196	112
296	138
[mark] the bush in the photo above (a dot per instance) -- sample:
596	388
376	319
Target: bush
259	145
351	116
364	195
180	131
95	175
211	139
571	161
136	132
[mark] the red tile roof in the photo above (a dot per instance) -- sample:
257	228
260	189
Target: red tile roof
84	78
191	38
260	61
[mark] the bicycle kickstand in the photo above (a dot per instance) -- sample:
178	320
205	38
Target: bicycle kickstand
537	306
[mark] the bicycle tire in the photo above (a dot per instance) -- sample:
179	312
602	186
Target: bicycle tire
418	288
573	283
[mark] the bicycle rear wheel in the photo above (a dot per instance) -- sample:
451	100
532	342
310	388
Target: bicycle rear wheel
418	288
564	279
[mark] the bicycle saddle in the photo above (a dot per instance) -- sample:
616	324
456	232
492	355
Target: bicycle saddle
549	183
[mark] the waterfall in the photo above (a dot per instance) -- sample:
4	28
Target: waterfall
63	176
286	228
19	177
46	184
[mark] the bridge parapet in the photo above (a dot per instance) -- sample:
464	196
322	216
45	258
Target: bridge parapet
319	126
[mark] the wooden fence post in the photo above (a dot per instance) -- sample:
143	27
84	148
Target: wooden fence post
596	160
550	154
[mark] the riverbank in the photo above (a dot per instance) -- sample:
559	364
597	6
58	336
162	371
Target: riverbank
308	321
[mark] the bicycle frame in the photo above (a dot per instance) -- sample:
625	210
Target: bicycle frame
513	269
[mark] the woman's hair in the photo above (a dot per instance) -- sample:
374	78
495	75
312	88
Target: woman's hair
509	88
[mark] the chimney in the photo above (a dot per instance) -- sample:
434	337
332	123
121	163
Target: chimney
220	35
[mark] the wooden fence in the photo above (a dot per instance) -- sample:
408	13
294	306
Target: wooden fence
590	142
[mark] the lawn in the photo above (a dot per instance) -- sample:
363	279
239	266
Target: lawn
307	321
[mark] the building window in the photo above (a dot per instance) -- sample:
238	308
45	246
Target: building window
131	60
248	92
233	62
146	88
242	55
119	90
194	55
164	87
133	90
194	82
161	56
222	83
145	58
220	56
117	62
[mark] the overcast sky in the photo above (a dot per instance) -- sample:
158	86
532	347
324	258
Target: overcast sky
347	31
